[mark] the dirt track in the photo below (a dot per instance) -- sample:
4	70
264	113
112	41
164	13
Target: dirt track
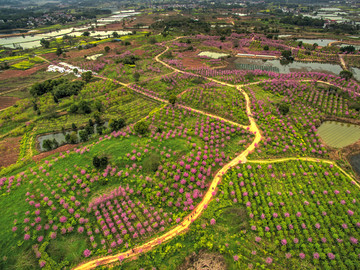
184	225
9	151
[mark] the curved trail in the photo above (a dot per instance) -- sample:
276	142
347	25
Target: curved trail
265	161
342	62
184	225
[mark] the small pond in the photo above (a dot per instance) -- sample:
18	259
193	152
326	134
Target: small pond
355	163
276	66
60	137
320	42
356	72
357	47
338	135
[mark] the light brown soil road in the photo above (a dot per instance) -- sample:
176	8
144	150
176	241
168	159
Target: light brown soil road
184	225
306	159
342	62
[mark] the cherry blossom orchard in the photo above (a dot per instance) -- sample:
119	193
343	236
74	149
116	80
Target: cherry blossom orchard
179	152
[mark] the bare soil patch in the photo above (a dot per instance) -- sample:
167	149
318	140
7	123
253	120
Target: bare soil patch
10	73
145	20
9	151
63	148
6	102
111	27
204	261
342	120
139	52
191	60
115	47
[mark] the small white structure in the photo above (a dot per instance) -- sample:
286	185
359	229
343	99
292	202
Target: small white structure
67	68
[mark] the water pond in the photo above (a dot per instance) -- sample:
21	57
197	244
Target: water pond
276	66
60	137
356	73
357	47
320	42
355	163
338	135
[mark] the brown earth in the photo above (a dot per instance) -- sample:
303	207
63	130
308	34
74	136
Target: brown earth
10	73
204	261
147	20
63	148
74	53
9	151
191	60
6	102
139	52
342	119
111	27
131	23
114	47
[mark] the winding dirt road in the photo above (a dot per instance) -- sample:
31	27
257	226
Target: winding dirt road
265	161
184	225
241	158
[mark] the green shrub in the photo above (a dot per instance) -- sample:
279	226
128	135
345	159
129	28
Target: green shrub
152	163
84	136
141	127
284	108
116	125
100	163
73	108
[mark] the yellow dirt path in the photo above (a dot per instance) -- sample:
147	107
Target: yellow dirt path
184	225
306	159
43	58
342	62
186	222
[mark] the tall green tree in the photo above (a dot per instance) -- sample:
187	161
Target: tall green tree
45	43
87	76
